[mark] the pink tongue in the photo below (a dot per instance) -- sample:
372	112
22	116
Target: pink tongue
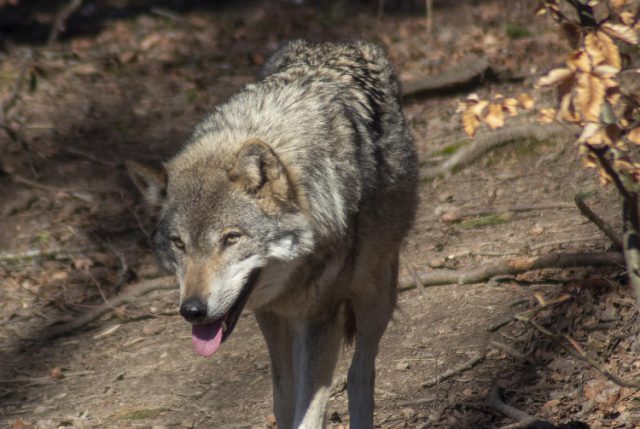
206	338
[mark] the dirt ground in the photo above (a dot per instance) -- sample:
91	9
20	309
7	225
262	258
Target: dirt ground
129	79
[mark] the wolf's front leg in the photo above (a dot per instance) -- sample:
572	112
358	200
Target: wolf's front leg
315	352
373	310
279	337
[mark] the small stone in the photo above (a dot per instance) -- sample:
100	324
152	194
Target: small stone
408	413
402	366
436	263
187	424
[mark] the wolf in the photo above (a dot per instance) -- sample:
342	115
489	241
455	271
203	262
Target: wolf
292	199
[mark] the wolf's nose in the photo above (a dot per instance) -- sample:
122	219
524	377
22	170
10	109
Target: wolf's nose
194	310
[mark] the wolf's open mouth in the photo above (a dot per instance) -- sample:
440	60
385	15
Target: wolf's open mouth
207	337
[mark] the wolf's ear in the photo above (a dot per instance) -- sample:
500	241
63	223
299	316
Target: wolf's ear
151	182
258	170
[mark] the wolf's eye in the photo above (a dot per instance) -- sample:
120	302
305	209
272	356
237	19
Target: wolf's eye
177	241
231	238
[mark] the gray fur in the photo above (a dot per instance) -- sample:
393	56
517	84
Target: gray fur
313	166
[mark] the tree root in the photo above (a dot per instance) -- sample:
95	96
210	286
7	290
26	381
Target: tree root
518	265
468	70
500	137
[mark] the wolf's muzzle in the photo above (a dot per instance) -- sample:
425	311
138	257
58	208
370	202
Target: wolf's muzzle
194	310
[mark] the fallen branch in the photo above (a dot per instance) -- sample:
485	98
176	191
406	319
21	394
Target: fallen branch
581	355
49	188
524	419
513	209
488	141
519	265
479	357
510	351
61	20
134	291
44	253
597	221
468	70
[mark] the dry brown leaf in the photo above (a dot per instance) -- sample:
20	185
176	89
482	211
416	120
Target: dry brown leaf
20	424
150	41
568	110
472	113
618	5
554	76
588	158
550	405
547	115
590	91
87	69
628	18
575	344
271	420
525	100
634	135
510	106
470	122
540	298
588	132
605	71
621	31
56	373
495	116
602	49
579	62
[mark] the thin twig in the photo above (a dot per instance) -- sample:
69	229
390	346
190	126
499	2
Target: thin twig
61	20
510	351
598	221
563	241
8	104
514	209
416	278
581	355
429	6
135	291
479	357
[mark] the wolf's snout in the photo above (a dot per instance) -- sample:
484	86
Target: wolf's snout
194	310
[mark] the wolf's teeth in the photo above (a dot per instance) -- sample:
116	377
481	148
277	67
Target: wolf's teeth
224	326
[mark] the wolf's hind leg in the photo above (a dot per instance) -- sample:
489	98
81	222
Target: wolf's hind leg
279	337
372	308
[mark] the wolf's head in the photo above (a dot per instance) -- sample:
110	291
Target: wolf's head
224	221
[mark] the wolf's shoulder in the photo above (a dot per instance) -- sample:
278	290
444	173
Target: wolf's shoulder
340	57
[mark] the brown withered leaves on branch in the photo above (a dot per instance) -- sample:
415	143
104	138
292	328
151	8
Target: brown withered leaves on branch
587	86
492	113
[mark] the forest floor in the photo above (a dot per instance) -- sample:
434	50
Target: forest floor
129	82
